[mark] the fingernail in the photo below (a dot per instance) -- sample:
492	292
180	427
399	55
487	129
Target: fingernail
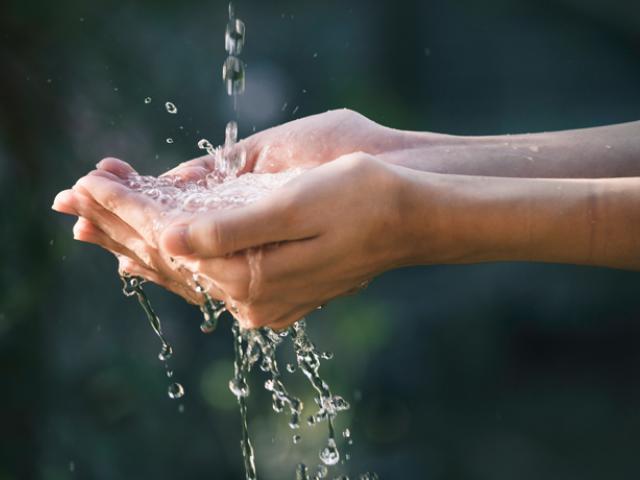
175	241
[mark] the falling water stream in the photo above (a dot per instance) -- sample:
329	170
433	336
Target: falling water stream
223	188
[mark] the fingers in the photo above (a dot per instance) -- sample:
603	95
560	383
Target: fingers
117	167
63	203
223	232
85	231
135	210
205	163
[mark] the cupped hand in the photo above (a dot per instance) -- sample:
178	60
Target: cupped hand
308	142
324	234
124	222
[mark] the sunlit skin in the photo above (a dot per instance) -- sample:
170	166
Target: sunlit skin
372	203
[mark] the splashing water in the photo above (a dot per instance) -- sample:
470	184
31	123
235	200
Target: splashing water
132	286
222	188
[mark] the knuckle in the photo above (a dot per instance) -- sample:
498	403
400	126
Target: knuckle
207	236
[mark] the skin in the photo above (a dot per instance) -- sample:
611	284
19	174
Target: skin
376	199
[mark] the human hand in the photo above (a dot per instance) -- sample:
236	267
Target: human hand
308	142
324	234
108	211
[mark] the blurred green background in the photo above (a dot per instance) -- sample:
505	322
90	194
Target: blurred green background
490	372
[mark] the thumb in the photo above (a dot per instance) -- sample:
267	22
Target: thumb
223	232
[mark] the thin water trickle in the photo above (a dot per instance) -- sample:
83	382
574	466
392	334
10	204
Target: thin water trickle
233	74
132	286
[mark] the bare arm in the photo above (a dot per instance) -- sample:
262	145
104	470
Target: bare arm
601	152
478	219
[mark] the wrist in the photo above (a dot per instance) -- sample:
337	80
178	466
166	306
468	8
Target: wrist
453	219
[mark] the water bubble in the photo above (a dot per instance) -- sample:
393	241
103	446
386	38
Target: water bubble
291	368
296	439
175	391
169	373
608	147
171	108
329	454
169	140
233	75
346	433
327	355
147	100
369	476
72	466
181	408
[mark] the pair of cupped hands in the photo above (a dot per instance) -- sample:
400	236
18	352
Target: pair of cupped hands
324	234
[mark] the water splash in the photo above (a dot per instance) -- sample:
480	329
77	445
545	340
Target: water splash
132	286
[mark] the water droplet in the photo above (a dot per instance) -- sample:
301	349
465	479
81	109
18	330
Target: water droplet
234	36
169	140
166	352
293	112
207	326
369	476
169	373
534	148
301	472
291	368
181	408
231	133
608	147
233	75
171	108
72	466
346	433
175	390
315	55
239	387
322	471
296	439
329	454
326	355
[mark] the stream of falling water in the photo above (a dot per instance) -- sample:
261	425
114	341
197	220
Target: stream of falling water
223	188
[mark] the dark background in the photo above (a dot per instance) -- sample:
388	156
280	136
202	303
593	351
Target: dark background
493	372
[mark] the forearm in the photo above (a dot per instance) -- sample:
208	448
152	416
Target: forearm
466	219
602	152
